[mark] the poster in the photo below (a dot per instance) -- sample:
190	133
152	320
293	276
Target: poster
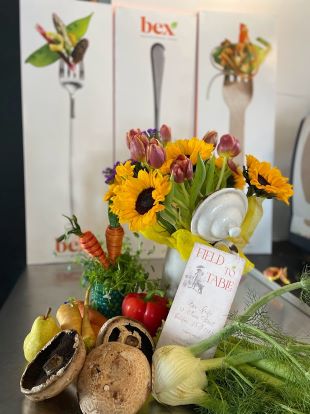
155	63
243	107
67	125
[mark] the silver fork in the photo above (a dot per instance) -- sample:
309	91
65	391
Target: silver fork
71	81
237	93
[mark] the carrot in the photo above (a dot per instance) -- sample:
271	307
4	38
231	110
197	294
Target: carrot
88	241
114	239
244	34
69	317
88	334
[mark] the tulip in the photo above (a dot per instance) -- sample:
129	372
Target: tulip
130	134
165	133
210	137
155	154
137	148
182	169
228	146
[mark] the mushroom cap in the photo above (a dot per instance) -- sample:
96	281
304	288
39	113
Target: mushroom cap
115	379
127	331
54	367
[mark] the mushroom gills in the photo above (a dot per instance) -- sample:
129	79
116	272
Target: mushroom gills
50	360
129	332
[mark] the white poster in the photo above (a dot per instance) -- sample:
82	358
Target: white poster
242	106
67	121
155	58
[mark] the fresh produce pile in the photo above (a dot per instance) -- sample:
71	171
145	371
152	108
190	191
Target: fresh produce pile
243	58
256	369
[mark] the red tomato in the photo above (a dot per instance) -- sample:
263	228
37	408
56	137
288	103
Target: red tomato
150	312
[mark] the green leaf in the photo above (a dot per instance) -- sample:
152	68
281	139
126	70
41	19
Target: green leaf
210	177
44	56
200	176
79	27
174	25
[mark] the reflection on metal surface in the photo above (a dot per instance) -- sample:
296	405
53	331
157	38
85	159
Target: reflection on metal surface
66	403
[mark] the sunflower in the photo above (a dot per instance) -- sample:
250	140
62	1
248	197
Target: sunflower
137	200
267	181
238	179
122	172
188	147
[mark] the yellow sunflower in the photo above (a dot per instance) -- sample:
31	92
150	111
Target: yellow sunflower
137	200
122	172
238	178
189	147
268	179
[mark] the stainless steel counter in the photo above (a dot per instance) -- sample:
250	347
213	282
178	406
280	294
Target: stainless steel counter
49	285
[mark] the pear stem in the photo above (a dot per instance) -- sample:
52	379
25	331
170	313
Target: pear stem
47	313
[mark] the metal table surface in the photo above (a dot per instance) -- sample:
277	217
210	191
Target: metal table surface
41	286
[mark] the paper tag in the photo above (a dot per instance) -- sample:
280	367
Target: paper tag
204	296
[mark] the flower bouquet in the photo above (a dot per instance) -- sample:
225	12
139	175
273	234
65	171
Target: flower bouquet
191	190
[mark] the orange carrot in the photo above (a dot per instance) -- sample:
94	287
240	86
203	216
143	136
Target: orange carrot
114	239
88	241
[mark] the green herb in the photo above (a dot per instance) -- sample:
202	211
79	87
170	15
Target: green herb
127	275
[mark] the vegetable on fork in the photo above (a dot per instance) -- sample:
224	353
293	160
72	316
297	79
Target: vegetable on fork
88	241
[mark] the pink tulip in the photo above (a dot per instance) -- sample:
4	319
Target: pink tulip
137	149
155	154
228	146
210	137
165	133
182	169
130	134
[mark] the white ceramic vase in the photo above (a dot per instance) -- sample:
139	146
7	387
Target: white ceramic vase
218	217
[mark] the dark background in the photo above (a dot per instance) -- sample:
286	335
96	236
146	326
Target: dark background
12	205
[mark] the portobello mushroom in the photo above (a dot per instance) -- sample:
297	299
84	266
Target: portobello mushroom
54	367
115	379
127	331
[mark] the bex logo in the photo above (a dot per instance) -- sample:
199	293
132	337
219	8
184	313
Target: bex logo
164	29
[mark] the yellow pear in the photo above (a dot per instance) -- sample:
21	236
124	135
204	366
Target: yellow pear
43	329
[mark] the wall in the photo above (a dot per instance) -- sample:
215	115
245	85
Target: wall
293	74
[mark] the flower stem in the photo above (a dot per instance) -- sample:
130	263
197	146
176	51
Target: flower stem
221	174
186	196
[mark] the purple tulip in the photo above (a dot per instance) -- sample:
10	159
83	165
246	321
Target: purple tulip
182	169
165	133
228	146
210	137
130	134
155	154
137	148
